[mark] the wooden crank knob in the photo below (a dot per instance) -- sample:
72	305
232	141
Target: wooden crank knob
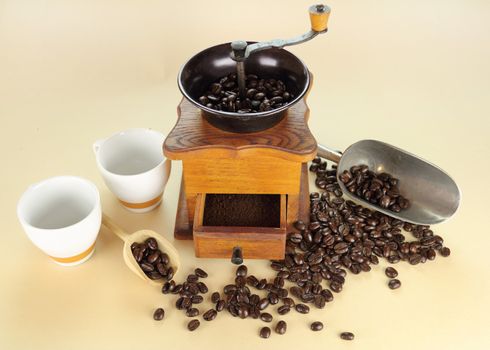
319	17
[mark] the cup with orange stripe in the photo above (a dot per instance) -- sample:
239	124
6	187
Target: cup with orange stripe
62	217
133	167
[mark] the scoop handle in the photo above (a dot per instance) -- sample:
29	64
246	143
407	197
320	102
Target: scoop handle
111	225
327	153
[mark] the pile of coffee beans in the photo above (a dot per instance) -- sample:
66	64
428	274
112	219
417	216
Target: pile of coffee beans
238	300
261	95
340	237
190	294
343	236
154	263
381	189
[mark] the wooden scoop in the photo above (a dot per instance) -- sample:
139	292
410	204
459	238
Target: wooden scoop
139	237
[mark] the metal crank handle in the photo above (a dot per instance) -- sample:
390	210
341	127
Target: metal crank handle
319	15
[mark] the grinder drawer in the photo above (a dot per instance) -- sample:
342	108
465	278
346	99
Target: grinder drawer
254	222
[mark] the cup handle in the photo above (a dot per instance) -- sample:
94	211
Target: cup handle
97	144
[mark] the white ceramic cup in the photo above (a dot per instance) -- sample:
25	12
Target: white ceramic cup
133	167
62	217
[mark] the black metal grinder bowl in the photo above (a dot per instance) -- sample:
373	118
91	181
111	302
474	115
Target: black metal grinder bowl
264	59
215	62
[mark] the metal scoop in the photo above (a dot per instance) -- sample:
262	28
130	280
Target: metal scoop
139	237
434	196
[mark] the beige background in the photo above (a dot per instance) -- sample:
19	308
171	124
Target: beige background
412	73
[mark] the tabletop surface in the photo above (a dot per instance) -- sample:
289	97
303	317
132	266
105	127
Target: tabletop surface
414	74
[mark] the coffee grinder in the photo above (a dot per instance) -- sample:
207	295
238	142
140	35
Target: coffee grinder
245	177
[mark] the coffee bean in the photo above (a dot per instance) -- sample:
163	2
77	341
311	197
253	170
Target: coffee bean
190	289
341	248
319	301
414	259
158	314
335	287
164	258
284	309
281	327
240	281
445	251
147	267
273	298
276	99
152	258
307	297
302	308
259	96
197	299
243	311
216	88
347	336
192	312
200	273
431	254
193	324
186	303
327	295
168	287
265	332
151	243
162	270
210	315
241	271
316	326
203	100
170	273
177	289
229	288
263	303
154	275
229	85
266	317
394	284
391	272
279	282
384	201
300	225
254	299
192	278
220	305
215	297
202	287
252	281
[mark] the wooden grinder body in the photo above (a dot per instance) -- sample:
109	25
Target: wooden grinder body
273	161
